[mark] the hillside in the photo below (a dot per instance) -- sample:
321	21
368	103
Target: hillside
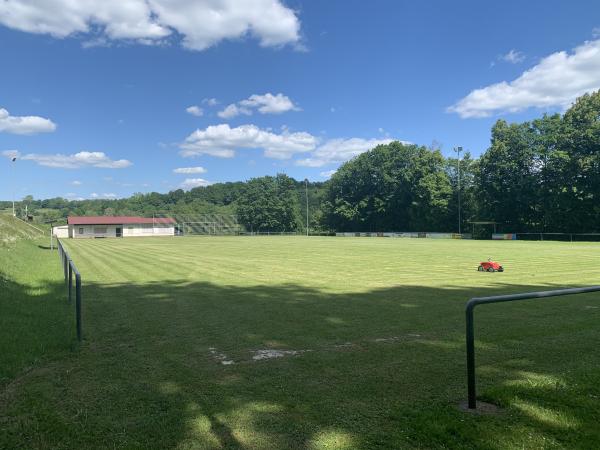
13	229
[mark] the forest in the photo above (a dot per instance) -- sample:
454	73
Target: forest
537	176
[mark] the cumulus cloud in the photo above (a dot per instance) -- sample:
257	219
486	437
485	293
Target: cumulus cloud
108	196
222	141
264	104
71	196
513	57
24	124
232	111
269	103
194	110
76	183
556	81
339	151
190	183
210	101
190	170
77	161
199	23
328	173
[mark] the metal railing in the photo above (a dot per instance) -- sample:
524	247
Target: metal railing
471	304
69	269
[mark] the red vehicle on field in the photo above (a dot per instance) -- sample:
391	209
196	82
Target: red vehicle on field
490	266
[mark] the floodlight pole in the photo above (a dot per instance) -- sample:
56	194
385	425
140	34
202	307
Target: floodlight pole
306	192
458	150
13	160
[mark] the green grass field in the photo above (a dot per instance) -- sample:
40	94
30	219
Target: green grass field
300	343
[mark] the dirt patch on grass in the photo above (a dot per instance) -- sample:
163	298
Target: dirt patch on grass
260	355
220	357
397	338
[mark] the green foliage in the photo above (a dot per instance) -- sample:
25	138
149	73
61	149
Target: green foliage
269	204
544	175
392	187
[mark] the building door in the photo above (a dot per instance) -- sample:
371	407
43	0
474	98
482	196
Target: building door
119	232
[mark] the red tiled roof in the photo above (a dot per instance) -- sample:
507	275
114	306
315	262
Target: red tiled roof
116	220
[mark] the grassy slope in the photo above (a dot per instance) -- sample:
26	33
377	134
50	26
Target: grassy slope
12	229
36	322
154	308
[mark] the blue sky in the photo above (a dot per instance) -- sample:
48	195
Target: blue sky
104	103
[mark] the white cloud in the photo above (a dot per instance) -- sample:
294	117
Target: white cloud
596	32
210	101
76	183
222	141
200	23
269	103
190	183
339	151
233	110
194	110
513	57
190	170
556	81
328	173
71	196
78	160
264	104
108	196
10	154
24	124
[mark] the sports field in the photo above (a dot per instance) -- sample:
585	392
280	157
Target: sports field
311	343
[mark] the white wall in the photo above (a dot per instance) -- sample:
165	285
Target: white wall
128	230
91	231
142	230
61	231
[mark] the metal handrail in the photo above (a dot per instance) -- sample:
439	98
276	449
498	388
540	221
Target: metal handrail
471	304
68	269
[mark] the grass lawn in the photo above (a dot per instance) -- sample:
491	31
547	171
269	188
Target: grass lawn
303	343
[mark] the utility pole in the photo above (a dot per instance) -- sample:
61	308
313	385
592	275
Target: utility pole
13	159
458	150
306	192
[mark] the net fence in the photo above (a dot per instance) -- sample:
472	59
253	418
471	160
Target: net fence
200	224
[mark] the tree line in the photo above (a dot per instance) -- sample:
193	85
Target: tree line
537	176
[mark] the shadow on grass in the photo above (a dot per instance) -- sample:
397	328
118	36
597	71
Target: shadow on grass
382	369
35	323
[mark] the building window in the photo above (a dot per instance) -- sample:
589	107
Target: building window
100	230
80	230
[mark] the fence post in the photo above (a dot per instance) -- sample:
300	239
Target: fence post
472	396
65	264
70	281
78	304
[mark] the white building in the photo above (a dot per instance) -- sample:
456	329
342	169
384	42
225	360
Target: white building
115	226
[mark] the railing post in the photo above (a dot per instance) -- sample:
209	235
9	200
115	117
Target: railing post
65	264
78	305
70	281
470	335
472	400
